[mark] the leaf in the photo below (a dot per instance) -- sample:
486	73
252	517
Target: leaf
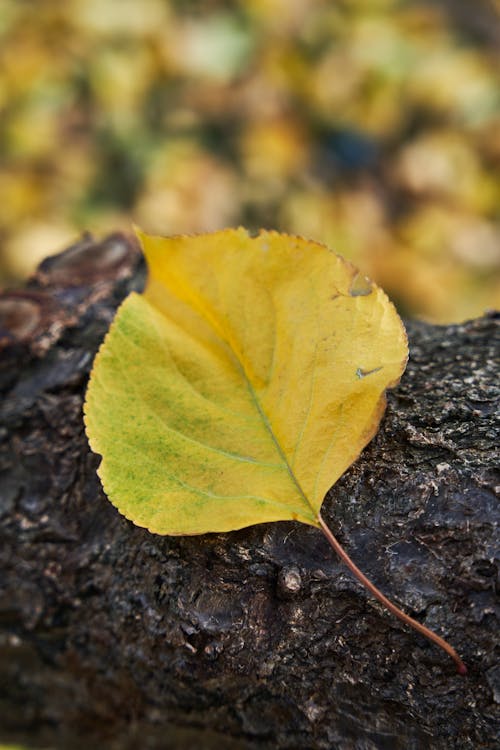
242	384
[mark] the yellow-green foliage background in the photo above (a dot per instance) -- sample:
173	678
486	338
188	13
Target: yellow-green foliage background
371	125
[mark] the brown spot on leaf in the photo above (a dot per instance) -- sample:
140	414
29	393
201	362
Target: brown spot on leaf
363	373
360	286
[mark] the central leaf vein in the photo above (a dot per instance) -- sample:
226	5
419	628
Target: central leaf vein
275	440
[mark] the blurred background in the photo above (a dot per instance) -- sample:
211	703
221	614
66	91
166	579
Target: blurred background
370	125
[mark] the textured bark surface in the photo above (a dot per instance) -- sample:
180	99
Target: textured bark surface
111	637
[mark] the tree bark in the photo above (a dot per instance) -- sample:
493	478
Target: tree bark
115	638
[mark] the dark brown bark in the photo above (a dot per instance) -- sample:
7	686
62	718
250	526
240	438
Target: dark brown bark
112	637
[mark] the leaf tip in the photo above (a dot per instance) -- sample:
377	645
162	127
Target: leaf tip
139	233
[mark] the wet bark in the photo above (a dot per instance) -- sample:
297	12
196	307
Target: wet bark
112	637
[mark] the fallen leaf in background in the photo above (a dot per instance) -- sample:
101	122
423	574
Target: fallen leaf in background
339	121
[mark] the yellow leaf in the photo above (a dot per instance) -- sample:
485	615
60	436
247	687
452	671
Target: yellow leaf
241	385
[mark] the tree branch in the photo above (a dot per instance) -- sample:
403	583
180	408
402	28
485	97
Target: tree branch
114	638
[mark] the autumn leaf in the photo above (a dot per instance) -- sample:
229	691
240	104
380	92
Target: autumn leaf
242	384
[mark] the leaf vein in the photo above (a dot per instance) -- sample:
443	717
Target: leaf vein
194	441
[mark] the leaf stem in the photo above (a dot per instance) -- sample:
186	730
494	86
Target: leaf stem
461	668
